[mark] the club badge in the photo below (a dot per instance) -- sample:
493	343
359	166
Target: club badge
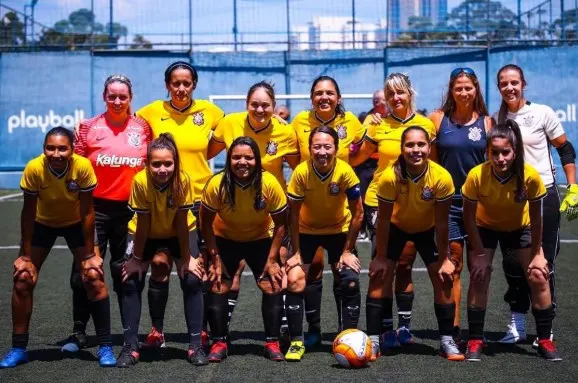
72	186
427	193
341	131
198	118
475	134
529	121
134	139
334	188
271	148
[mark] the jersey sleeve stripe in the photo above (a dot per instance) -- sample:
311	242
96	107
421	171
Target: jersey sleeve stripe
295	197
186	207
541	196
281	210
87	189
137	210
385	199
292	154
367	138
28	191
209	207
468	199
361	139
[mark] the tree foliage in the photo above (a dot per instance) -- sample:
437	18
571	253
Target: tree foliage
11	30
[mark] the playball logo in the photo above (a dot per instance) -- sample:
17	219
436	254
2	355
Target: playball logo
44	122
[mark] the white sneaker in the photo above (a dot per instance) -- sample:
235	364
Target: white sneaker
516	332
535	344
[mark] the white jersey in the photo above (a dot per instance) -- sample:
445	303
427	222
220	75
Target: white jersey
539	125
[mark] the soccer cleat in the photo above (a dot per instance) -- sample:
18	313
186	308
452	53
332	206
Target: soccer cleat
474	350
74	343
389	341
128	357
14	357
273	352
106	356
295	352
155	339
514	335
547	350
404	336
218	352
450	351
535	344
375	351
197	356
312	340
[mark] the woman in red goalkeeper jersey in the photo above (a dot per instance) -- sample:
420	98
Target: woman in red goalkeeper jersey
115	142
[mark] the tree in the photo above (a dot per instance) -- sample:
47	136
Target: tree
139	42
421	29
570	18
480	19
11	30
81	30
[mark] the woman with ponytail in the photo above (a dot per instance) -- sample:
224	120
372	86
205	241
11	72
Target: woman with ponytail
164	226
541	130
503	204
415	195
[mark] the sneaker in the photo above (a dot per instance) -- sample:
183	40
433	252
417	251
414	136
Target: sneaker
474	351
375	351
450	351
389	341
404	336
312	340
273	352
74	343
128	357
218	352
295	352
535	344
514	335
14	357
547	350
197	356
106	356
155	339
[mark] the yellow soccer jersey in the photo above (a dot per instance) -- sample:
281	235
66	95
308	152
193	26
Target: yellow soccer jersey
387	137
325	209
147	197
275	141
496	197
348	127
414	202
58	200
244	223
191	130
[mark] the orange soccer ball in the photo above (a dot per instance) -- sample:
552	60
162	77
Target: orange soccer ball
352	348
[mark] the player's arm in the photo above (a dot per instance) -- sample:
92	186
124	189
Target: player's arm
356	208
207	217
567	155
87	221
436	117
442	211
358	157
294	211
272	267
182	229
470	208
143	226
27	218
293	160
378	266
214	148
536	224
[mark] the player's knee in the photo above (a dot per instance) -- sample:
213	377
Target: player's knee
536	278
457	256
349	282
160	269
266	286
296	282
93	281
132	286
191	283
24	284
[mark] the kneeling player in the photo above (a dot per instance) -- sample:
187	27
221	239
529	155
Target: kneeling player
414	201
239	205
326	211
503	204
163	225
58	189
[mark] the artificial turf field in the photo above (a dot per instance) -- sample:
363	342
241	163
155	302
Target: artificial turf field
52	322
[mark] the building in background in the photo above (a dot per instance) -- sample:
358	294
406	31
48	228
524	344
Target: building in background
400	12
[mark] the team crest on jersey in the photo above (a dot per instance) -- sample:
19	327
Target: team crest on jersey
341	131
529	121
134	139
262	204
427	193
198	118
523	197
334	188
475	134
170	202
72	186
271	148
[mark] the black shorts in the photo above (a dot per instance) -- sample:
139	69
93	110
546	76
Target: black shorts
255	254
424	243
508	240
200	241
111	223
44	236
155	245
333	243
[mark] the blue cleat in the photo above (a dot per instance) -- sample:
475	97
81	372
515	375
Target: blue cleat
14	357
389	341
404	336
312	340
106	357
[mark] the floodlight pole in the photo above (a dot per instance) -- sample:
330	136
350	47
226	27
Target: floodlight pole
235	30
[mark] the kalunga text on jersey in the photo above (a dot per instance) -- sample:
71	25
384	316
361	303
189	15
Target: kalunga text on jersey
115	161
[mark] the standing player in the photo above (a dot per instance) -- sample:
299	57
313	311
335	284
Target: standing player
541	129
385	139
503	204
58	187
461	125
328	110
239	206
276	141
414	201
326	211
115	142
190	122
162	196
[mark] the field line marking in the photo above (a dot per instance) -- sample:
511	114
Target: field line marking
8	196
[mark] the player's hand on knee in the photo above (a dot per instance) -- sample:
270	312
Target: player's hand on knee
131	267
479	267
378	268
539	263
275	274
293	261
446	271
93	263
191	265
216	271
348	259
22	266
